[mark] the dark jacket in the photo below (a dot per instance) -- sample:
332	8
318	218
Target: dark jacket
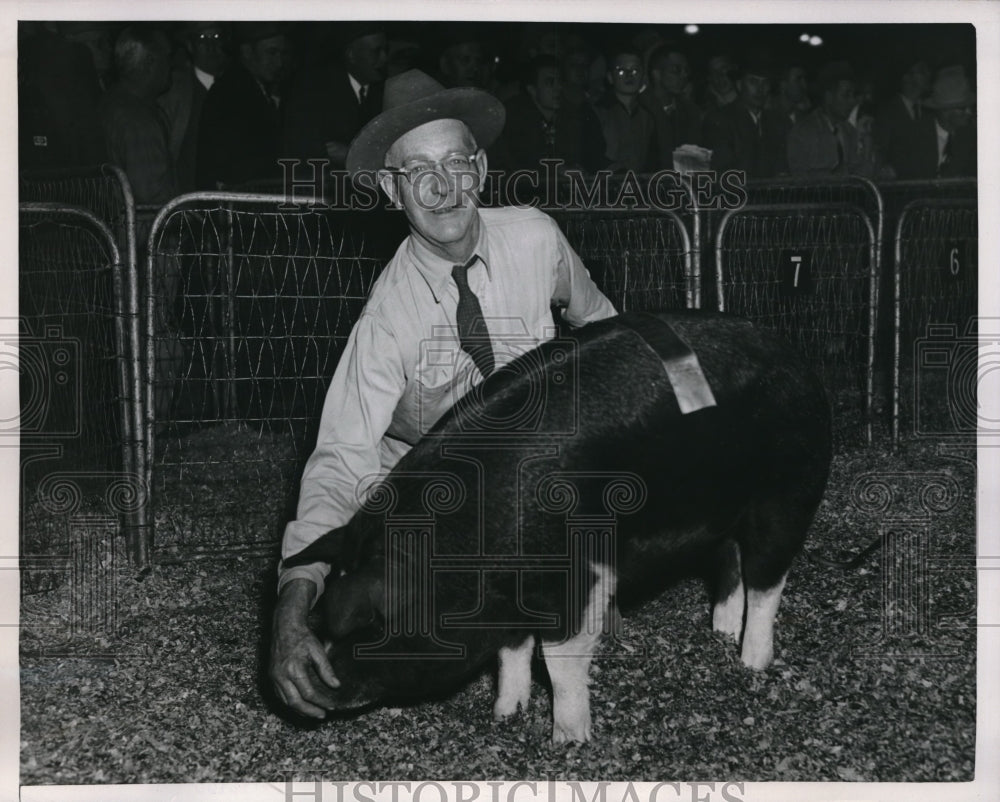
239	133
573	136
737	143
679	125
321	107
907	145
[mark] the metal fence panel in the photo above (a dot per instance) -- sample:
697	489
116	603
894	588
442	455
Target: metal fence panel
77	419
251	304
641	261
104	190
936	300
808	271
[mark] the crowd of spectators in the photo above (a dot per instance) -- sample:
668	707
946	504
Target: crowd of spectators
203	105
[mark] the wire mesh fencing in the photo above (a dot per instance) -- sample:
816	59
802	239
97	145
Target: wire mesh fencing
251	303
937	335
808	272
641	261
78	419
714	201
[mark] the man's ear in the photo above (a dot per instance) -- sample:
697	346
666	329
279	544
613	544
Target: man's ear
532	92
482	167
388	182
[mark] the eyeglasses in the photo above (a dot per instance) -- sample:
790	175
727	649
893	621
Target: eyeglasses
631	72
452	164
211	37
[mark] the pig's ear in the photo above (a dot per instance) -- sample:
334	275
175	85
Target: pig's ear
331	548
352	602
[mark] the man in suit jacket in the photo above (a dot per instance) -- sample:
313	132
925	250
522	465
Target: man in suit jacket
824	142
953	103
677	120
904	130
739	134
239	133
328	105
205	56
540	125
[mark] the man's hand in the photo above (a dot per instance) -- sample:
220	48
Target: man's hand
300	670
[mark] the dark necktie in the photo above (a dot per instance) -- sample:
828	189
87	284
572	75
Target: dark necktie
840	145
472	333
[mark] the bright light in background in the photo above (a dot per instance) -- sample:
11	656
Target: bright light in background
804	38
815	41
691	29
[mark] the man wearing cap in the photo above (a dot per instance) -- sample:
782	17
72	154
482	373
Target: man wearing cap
467	291
953	103
239	133
327	105
205	56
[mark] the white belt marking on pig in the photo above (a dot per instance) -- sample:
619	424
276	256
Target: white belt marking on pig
568	662
758	638
727	615
514	679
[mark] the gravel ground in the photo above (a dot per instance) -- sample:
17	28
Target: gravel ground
859	690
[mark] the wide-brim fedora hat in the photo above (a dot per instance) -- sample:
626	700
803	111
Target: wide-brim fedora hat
413	98
951	90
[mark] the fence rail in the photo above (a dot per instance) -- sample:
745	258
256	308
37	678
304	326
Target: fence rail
80	400
809	272
244	301
935	300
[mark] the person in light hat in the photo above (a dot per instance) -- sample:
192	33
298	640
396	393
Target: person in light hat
476	283
953	103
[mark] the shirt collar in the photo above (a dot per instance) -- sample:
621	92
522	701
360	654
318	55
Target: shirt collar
356	86
436	271
206	79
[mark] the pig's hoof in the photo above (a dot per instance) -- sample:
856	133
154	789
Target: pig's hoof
756	657
563	733
727	617
508	705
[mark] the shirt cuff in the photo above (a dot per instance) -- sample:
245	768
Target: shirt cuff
314	572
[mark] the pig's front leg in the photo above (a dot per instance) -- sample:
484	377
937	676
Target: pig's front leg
513	679
568	663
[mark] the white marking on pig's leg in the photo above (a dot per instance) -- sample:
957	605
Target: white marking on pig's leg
727	615
513	679
568	663
758	638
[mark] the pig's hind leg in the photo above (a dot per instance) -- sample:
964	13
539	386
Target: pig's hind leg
773	536
513	679
730	595
568	662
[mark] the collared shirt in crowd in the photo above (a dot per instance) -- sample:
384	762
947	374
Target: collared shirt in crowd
206	79
403	366
629	134
942	143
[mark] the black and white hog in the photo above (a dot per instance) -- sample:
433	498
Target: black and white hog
567	478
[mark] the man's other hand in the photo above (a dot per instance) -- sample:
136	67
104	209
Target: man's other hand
300	670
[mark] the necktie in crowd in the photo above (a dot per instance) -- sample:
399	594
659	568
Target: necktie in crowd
472	333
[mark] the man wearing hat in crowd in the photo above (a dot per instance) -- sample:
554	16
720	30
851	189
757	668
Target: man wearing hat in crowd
240	123
202	57
824	142
953	103
476	283
328	105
